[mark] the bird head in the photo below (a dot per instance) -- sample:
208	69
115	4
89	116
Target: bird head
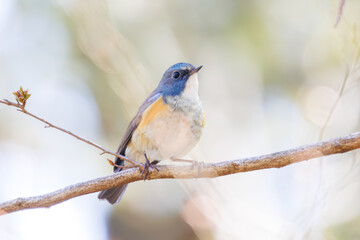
180	80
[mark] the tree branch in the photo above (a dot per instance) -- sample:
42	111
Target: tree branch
210	170
274	160
21	107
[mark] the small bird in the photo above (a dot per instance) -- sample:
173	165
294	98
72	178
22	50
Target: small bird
167	125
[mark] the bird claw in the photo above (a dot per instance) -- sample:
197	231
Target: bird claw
147	165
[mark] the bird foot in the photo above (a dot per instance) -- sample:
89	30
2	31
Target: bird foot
147	165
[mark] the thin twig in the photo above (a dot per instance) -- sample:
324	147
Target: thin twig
22	109
210	170
349	70
333	107
340	12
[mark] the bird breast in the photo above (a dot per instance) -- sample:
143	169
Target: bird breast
172	132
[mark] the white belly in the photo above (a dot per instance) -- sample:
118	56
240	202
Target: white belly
172	137
171	134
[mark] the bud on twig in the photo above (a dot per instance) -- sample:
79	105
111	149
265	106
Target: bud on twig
22	96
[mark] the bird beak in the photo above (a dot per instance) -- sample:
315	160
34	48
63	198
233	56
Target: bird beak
196	70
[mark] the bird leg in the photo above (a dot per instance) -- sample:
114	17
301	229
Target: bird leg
147	166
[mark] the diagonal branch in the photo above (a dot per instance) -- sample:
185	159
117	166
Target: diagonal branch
21	108
210	170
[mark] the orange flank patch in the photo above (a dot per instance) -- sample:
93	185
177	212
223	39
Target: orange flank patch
157	107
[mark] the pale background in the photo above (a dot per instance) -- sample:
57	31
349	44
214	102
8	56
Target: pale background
272	71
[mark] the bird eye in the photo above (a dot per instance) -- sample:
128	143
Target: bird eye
176	74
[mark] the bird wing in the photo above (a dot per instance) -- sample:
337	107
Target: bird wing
133	125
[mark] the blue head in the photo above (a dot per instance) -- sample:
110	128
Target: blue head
178	78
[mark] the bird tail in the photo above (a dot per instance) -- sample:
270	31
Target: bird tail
113	195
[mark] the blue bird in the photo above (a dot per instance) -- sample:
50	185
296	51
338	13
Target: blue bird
167	125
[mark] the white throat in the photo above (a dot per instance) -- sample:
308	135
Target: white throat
191	90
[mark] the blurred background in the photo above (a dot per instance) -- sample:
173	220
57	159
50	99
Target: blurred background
274	71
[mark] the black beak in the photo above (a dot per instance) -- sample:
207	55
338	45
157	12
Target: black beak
195	70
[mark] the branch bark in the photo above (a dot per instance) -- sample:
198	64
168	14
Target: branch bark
210	170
